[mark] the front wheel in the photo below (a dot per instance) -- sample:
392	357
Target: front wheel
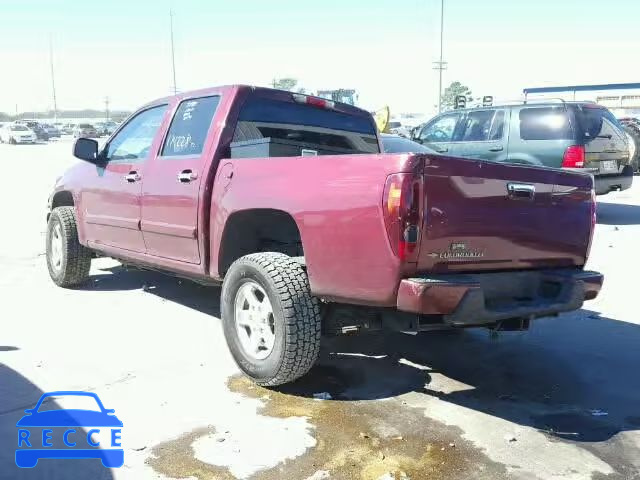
271	321
68	261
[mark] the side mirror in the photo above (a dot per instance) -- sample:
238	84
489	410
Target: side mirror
86	149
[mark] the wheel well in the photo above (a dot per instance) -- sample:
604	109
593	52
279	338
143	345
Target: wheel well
62	199
259	230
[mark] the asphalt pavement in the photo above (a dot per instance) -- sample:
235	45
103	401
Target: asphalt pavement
559	401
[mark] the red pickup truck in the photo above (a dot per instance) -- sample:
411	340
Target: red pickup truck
286	200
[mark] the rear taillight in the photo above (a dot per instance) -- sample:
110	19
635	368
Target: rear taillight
401	208
574	157
314	101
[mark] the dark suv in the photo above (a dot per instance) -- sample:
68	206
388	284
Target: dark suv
576	135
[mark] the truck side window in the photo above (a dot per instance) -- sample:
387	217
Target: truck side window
133	141
545	123
478	126
497	128
441	130
189	127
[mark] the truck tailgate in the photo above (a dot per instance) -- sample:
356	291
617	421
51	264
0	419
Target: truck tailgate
482	216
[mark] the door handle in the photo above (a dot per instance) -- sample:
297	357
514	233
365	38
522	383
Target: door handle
497	148
521	191
442	149
186	176
132	177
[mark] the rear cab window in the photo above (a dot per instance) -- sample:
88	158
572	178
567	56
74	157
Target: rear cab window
545	123
189	127
278	127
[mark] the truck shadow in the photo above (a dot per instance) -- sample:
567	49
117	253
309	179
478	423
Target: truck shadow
574	376
618	214
17	394
205	299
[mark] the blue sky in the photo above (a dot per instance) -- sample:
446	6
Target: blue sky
382	48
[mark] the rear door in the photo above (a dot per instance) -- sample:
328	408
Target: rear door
606	148
441	133
172	182
483	135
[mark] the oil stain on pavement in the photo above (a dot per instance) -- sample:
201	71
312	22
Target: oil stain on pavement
365	440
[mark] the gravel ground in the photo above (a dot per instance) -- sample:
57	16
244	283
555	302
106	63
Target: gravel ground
559	401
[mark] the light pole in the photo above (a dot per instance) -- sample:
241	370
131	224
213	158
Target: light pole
106	108
173	58
441	65
53	81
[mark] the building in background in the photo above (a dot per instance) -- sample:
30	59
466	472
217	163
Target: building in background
623	99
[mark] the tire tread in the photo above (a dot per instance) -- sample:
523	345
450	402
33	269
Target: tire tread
301	310
77	262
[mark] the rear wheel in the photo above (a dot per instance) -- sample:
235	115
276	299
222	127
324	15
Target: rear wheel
271	321
67	260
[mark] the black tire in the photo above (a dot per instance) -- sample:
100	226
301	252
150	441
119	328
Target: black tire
12	141
635	134
296	317
76	259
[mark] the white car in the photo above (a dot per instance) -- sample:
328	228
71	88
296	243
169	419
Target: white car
14	133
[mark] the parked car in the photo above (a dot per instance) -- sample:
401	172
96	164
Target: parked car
287	201
396	127
14	133
36	127
397	144
106	128
51	130
571	135
67	128
85	130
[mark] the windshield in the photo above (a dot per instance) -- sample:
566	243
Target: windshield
19	128
328	131
85	125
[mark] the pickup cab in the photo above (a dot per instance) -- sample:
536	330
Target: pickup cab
286	200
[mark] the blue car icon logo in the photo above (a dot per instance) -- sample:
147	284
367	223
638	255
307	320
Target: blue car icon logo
36	433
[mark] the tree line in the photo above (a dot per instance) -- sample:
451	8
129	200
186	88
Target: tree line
116	115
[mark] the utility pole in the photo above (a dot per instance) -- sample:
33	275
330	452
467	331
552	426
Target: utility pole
106	108
53	81
441	65
173	58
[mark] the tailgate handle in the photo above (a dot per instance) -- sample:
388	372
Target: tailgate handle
521	191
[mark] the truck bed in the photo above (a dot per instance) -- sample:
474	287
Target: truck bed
469	221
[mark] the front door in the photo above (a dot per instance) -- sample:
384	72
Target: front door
483	135
111	203
171	187
440	133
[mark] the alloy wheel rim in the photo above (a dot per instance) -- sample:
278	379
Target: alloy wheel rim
56	248
254	320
